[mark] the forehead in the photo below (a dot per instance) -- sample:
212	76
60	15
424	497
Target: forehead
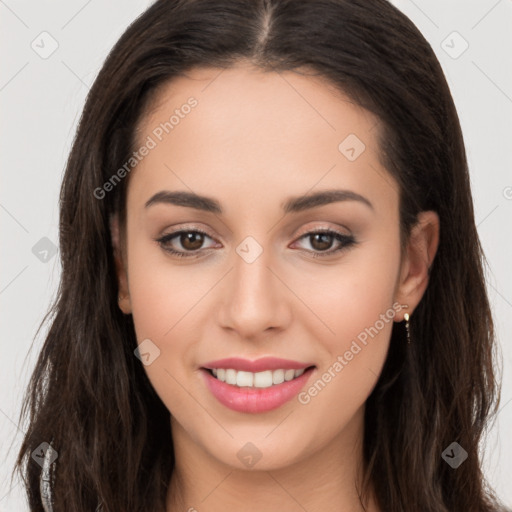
263	130
244	93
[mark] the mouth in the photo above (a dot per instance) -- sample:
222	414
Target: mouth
255	392
263	379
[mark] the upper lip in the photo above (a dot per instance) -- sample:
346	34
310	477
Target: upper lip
259	365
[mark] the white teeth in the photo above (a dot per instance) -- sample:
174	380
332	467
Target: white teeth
289	374
278	376
231	376
263	379
244	379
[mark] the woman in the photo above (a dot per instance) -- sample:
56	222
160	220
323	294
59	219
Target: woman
272	292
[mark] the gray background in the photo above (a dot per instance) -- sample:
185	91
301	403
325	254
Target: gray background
41	100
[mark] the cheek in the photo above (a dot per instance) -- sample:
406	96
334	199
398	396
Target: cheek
162	293
165	302
350	298
354	302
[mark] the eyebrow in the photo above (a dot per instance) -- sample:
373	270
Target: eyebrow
292	205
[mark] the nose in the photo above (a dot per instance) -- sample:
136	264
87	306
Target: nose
254	299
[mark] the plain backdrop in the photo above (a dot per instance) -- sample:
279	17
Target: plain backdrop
41	97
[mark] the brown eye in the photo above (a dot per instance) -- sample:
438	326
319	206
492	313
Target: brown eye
186	243
327	242
321	241
191	240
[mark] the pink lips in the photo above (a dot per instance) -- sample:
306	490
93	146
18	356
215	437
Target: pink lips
260	365
250	399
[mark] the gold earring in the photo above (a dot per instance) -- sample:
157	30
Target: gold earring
407	327
406	318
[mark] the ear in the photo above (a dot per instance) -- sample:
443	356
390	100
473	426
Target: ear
121	268
419	255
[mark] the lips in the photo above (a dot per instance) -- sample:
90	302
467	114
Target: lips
243	394
259	365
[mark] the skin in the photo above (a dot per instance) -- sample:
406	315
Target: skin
254	140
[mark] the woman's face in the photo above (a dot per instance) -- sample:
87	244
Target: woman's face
262	161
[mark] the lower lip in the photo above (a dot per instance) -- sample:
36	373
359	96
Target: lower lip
255	400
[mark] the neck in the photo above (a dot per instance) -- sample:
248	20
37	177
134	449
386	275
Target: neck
324	480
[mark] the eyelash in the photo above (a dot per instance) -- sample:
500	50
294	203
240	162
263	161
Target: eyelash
346	241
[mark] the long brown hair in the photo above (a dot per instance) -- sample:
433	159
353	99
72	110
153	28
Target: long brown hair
89	395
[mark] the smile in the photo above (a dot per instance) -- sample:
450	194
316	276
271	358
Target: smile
264	379
255	392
